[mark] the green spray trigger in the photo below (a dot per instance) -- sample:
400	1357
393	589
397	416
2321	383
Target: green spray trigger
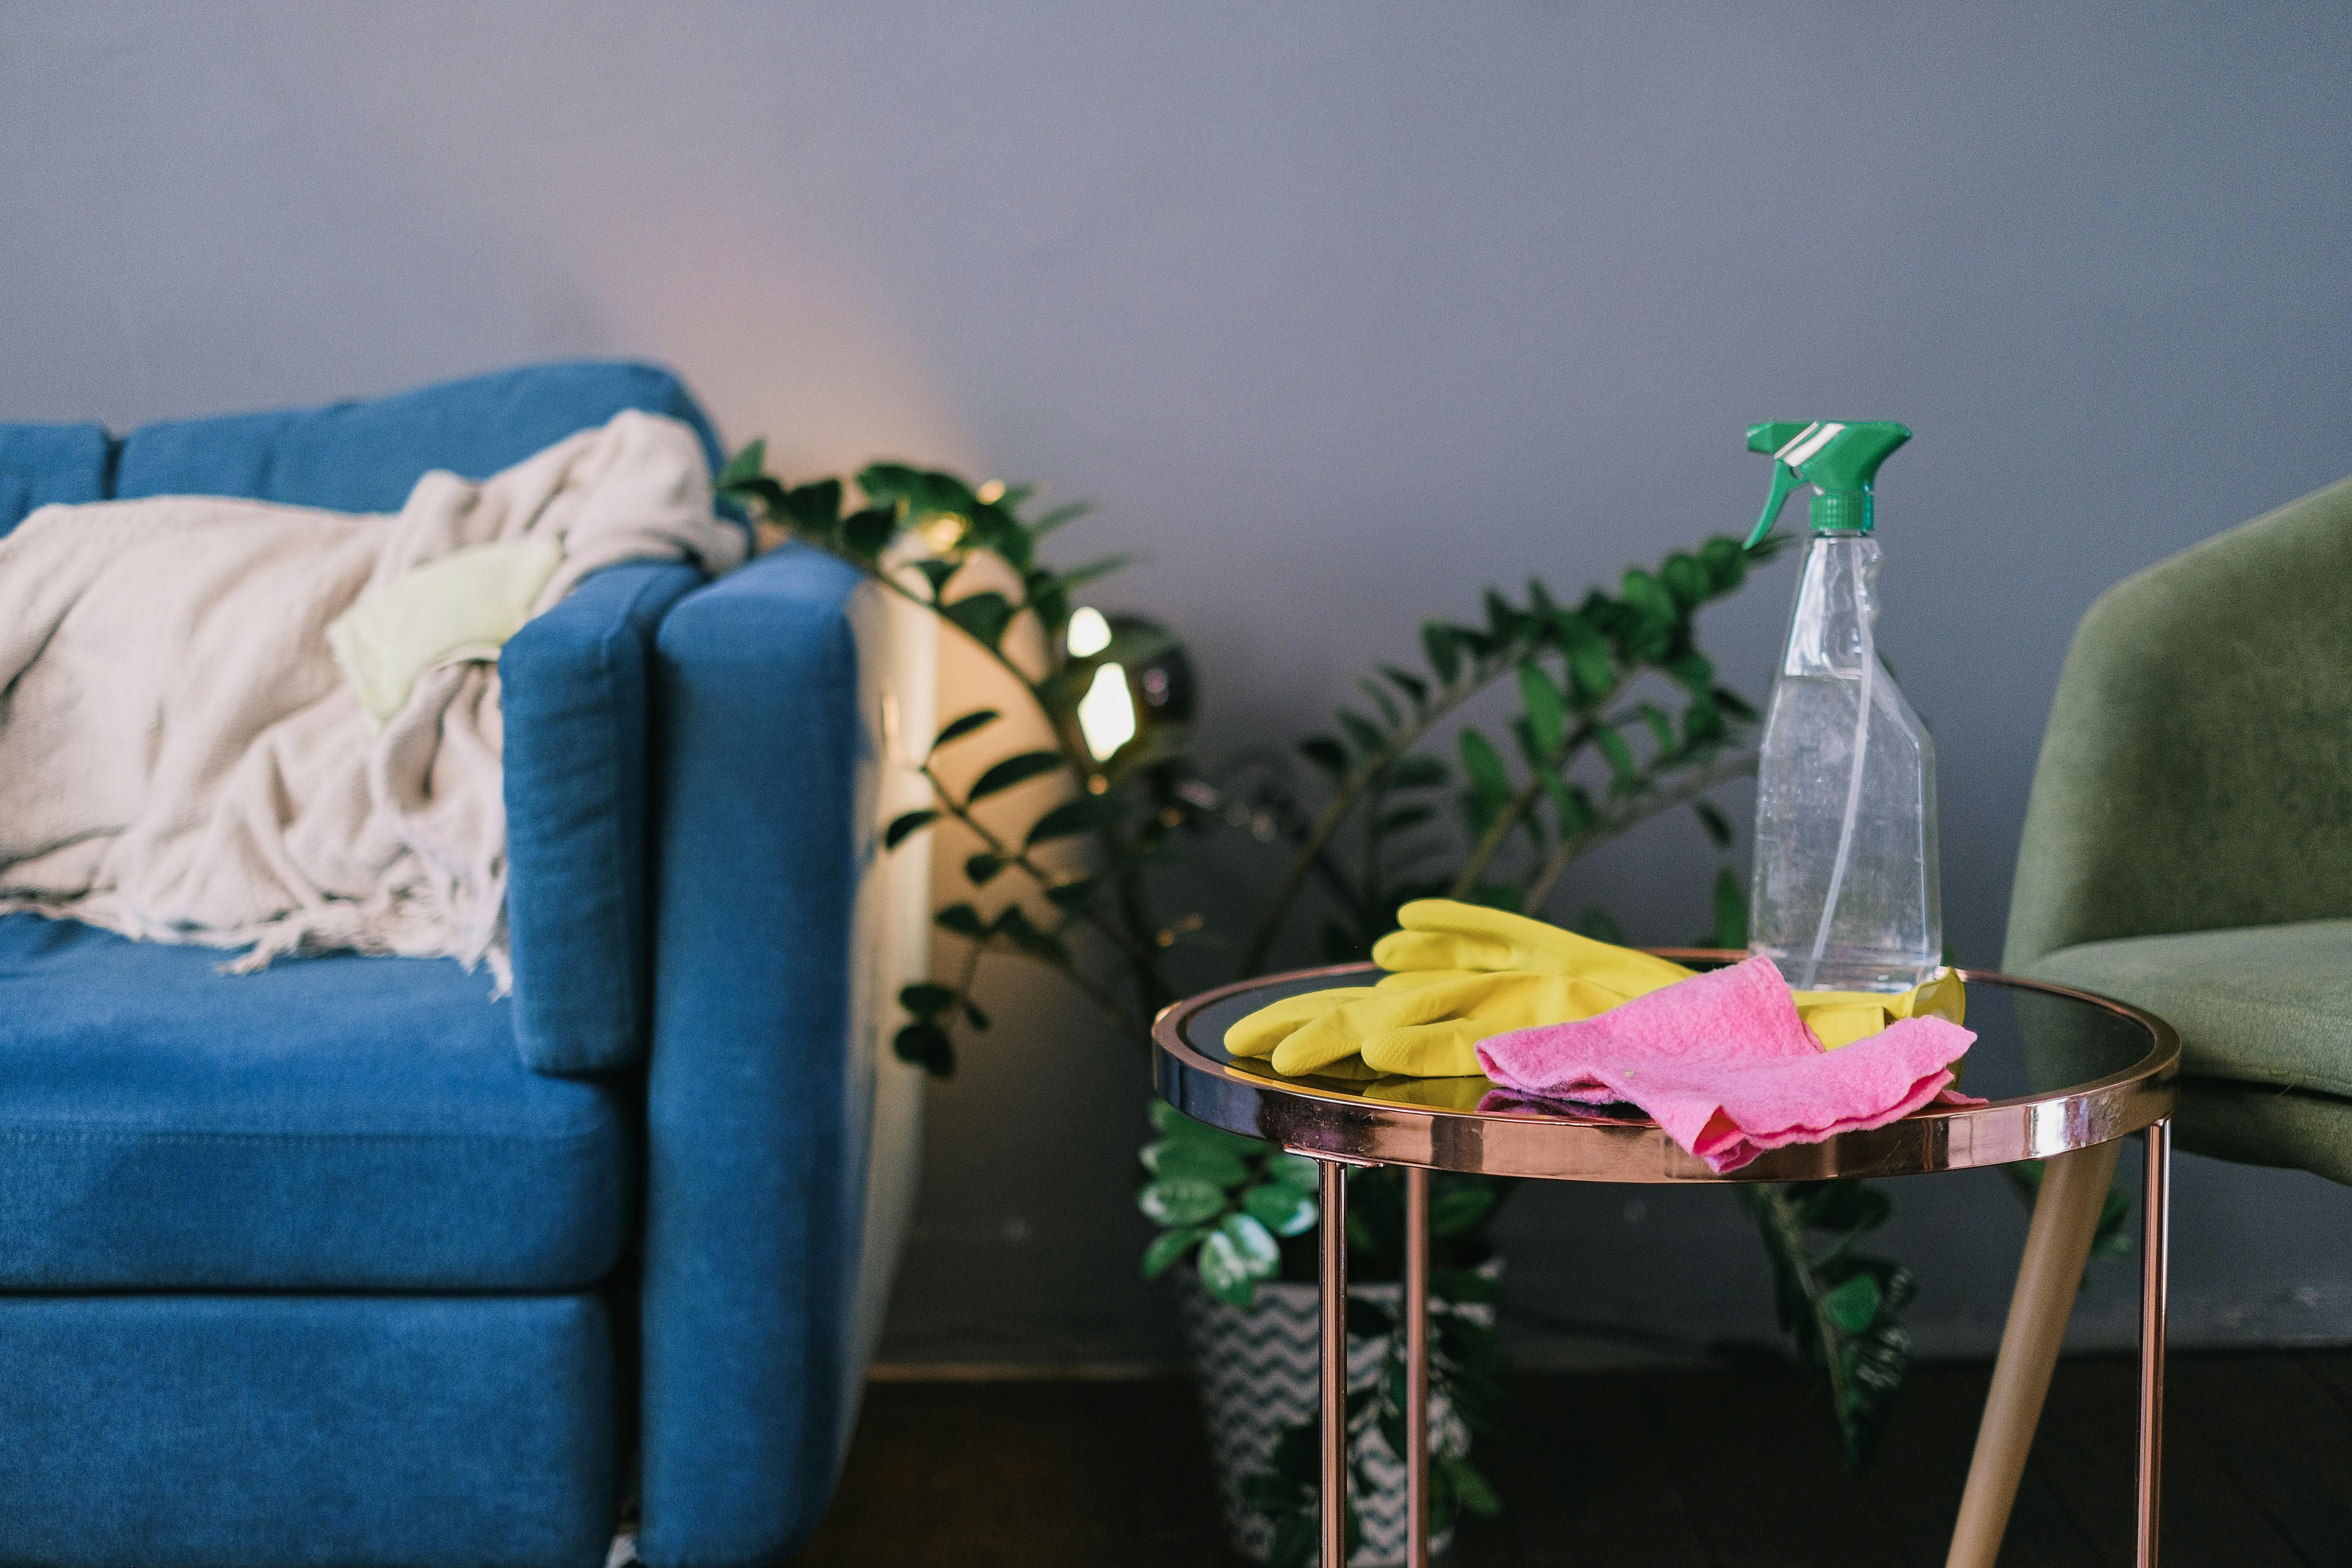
1839	458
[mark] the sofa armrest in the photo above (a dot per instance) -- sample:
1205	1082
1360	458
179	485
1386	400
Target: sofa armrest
574	692
759	1097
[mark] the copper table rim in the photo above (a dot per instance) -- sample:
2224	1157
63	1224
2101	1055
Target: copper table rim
1348	1127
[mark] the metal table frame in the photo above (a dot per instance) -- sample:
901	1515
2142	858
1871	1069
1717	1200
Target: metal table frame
1339	1129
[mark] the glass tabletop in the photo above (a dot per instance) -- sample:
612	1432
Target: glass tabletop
2062	1070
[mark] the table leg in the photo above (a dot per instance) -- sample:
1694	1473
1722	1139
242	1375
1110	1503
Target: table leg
2057	1247
1417	1366
1333	1501
2155	1260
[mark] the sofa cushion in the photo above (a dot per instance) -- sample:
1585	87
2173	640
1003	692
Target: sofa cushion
2260	1005
295	1431
44	463
329	1124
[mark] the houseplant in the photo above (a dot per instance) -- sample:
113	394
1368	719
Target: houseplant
1612	716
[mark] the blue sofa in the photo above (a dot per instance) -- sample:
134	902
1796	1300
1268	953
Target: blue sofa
346	1263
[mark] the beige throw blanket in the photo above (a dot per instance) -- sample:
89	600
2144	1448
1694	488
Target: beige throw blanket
181	759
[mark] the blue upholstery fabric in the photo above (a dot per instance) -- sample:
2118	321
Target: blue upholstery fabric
367	455
574	687
44	463
753	1197
329	1124
287	1432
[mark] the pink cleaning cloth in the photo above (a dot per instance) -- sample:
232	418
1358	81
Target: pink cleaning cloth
1725	1065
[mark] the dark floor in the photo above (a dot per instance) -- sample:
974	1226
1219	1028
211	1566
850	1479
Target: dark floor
1673	1469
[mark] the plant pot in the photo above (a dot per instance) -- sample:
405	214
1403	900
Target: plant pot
1256	1372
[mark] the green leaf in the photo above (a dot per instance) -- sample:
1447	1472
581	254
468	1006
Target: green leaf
1362	730
1073	895
1012	770
926	1046
938	570
1405	818
1470	1488
1281	1208
1013	923
1686	579
1649	599
816	507
1260	1255
1625	775
905	823
1180	1200
1297	1541
1417	769
1842	1205
927	999
1726	564
979	869
1717	826
984	614
974	1016
867	533
1199	1161
1382	701
1456	1208
1170	1122
1600	925
1079	576
1170	1246
1854	1305
1730	909
1546	710
1369	1320
1296	1171
1464	1285
1065	820
1488	780
1415	689
963	920
1060	517
958	728
1225	1272
750	463
1444	650
1662	728
1325	753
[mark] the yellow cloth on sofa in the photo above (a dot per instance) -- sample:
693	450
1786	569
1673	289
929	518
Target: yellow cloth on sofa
1459	973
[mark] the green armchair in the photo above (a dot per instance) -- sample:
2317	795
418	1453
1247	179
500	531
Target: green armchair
2188	846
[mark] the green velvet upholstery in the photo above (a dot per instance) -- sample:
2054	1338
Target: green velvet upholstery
2188	844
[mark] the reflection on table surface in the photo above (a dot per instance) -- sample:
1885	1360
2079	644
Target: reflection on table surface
2029	1042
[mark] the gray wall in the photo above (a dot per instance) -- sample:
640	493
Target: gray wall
1342	310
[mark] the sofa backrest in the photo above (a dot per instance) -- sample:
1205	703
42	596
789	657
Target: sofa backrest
41	463
576	713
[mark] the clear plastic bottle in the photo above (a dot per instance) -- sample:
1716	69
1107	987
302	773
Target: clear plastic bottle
1845	895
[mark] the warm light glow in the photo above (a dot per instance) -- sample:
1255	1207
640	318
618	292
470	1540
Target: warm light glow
1107	712
990	493
1090	634
943	533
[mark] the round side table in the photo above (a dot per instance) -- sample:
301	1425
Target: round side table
2067	1076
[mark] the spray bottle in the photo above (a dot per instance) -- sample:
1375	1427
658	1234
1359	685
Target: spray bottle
1846	894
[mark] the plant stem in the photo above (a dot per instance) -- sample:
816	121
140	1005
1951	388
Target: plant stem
1017	858
1631	815
1780	1218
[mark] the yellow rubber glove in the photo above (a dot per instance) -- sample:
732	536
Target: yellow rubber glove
1460	974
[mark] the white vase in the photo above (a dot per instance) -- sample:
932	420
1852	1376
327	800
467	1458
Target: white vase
1256	1369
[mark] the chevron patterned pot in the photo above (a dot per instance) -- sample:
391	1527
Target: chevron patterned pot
1255	1369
